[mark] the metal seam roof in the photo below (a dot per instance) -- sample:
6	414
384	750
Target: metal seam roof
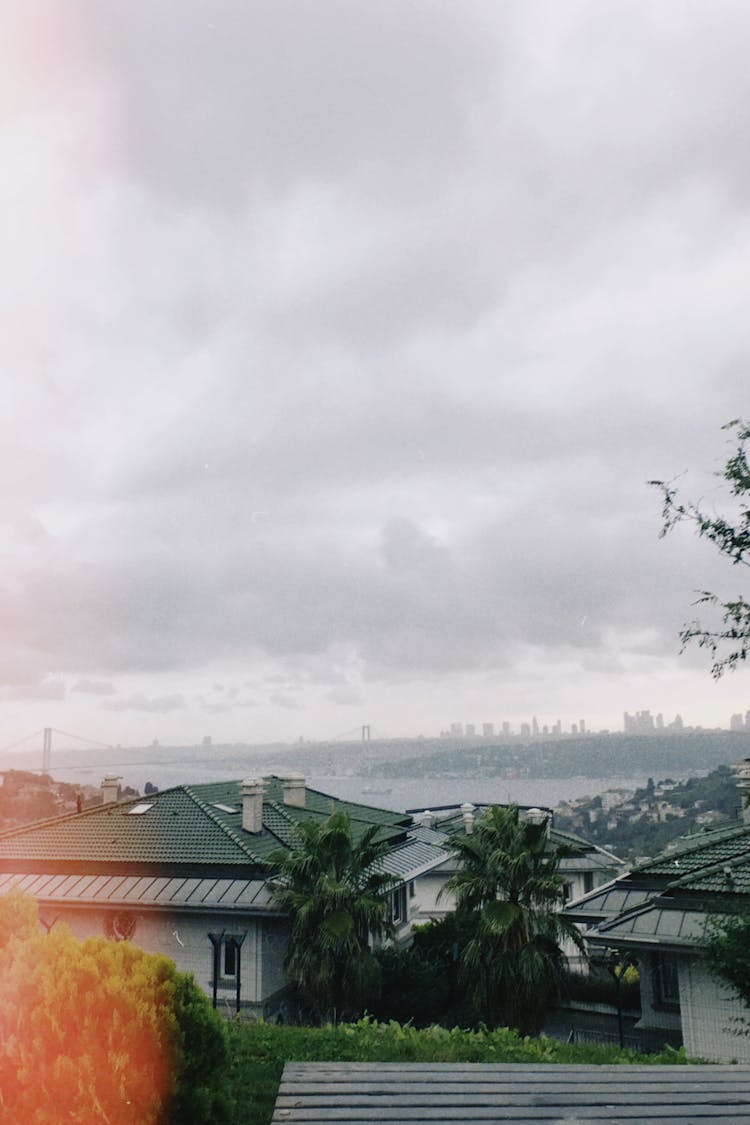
119	890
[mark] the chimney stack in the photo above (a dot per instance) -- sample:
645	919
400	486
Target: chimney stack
252	804
741	771
538	816
425	818
110	788
467	812
293	789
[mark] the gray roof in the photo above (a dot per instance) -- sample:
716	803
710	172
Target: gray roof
248	895
669	900
607	901
412	859
660	922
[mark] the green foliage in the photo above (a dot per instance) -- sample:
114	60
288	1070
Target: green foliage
259	1051
420	984
649	836
728	641
509	890
19	917
600	986
726	951
101	1031
200	1058
333	886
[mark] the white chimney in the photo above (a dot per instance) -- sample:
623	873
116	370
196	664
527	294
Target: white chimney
467	812
293	789
538	816
741	771
425	819
252	804
110	788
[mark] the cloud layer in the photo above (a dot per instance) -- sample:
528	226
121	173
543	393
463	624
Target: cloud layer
339	343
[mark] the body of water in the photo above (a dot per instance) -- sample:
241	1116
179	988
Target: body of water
428	792
387	793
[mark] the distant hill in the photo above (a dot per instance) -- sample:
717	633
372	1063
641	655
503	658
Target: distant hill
26	796
591	755
646	821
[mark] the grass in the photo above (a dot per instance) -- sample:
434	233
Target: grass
259	1051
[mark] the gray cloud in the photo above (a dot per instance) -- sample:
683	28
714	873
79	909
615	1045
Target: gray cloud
375	322
94	687
160	705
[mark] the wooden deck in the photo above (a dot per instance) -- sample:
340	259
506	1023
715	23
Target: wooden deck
485	1094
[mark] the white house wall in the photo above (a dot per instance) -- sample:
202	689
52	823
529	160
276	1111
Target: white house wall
712	1014
184	939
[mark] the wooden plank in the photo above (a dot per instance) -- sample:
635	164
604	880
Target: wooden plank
439	1115
543	1070
493	1097
505	1086
504	1093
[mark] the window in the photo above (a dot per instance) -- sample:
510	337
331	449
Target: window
567	892
666	981
229	951
588	881
137	810
412	889
226	957
398	906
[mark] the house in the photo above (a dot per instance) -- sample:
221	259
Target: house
583	867
659	915
184	871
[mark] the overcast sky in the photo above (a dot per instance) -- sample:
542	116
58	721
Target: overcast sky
339	340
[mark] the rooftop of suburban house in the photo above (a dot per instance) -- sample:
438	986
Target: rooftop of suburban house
452	820
213	827
671	899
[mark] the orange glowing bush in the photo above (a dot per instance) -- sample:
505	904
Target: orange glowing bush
96	1030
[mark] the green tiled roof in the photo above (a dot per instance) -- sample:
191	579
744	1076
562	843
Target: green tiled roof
181	830
697	852
669	900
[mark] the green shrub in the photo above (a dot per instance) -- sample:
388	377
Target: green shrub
259	1051
600	987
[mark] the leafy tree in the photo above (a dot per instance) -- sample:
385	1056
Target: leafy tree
334	887
728	641
726	951
421	983
101	1031
509	884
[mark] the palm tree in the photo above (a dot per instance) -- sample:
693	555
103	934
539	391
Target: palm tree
333	887
508	885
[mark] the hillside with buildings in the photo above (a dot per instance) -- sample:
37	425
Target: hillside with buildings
639	823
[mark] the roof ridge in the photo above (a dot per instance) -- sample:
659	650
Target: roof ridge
710	868
227	829
695	842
